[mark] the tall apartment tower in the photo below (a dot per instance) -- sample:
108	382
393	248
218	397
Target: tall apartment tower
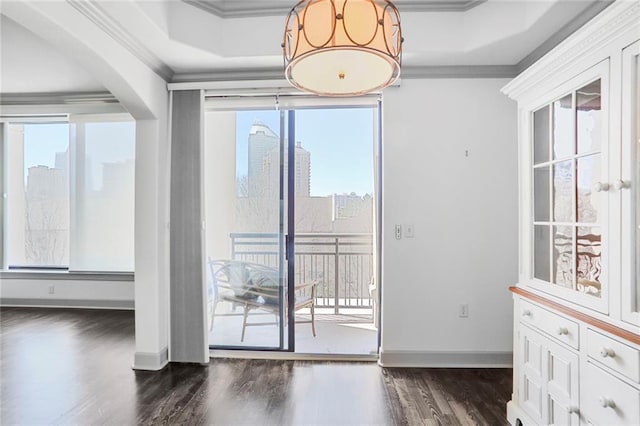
262	141
303	171
264	164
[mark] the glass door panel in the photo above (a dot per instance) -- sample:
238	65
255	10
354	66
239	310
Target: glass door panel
334	230
628	183
245	193
567	206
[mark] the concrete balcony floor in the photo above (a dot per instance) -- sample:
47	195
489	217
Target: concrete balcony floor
351	332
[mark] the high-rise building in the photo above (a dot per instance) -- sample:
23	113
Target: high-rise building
262	141
264	164
302	171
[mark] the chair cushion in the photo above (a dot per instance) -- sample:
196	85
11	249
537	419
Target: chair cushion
267	285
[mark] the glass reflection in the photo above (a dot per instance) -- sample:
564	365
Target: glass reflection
563	256
588	260
541	135
589	117
541	258
588	203
563	192
563	138
541	198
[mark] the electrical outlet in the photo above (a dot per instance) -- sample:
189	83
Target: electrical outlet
463	312
52	289
398	232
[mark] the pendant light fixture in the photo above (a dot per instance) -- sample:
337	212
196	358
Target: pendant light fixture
342	47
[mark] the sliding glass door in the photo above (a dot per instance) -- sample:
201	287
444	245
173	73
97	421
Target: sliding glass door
289	224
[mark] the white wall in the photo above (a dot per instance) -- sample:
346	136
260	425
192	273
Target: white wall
464	211
80	293
143	93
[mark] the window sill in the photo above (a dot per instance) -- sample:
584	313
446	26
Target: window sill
66	275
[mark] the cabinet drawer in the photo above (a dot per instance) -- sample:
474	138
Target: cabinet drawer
552	324
606	400
614	354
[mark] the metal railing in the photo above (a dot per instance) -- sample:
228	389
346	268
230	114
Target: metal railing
342	263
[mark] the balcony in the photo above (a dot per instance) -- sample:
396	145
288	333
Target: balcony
343	266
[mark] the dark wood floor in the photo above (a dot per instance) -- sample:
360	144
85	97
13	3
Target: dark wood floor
62	366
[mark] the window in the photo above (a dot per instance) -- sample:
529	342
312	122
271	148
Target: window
70	194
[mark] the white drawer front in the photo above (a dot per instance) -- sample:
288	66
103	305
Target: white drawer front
614	354
606	400
552	324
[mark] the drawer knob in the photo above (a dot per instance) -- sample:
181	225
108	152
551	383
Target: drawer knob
621	184
526	313
563	331
607	352
572	409
606	402
601	186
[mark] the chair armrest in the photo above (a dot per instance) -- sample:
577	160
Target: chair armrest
302	286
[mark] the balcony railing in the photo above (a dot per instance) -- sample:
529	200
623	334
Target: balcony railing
342	263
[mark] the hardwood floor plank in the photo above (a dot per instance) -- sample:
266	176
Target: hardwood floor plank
73	366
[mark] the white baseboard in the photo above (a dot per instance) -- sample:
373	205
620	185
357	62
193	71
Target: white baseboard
434	359
151	361
289	356
66	303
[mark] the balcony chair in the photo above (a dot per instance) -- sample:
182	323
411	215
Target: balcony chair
254	286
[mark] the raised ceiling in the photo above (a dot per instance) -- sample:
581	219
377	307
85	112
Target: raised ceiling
240	39
235	8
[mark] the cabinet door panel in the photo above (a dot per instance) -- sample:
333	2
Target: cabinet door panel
628	182
531	380
548	379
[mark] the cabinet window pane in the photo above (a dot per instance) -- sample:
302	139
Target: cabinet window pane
541	135
541	195
563	192
588	258
563	256
563	138
588	174
589	118
541	258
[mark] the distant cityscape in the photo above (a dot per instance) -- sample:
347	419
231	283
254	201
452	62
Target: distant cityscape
47	204
338	213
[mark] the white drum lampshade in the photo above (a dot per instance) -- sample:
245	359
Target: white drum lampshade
342	47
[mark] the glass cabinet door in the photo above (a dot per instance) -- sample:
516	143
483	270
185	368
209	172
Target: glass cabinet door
628	183
569	194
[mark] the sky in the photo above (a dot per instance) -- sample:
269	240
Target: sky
106	142
340	141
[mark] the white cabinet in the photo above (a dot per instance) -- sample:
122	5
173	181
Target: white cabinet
577	300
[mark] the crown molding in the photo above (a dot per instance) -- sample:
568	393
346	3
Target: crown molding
237	9
59	98
622	17
231	75
408	72
39	104
96	14
459	71
571	27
